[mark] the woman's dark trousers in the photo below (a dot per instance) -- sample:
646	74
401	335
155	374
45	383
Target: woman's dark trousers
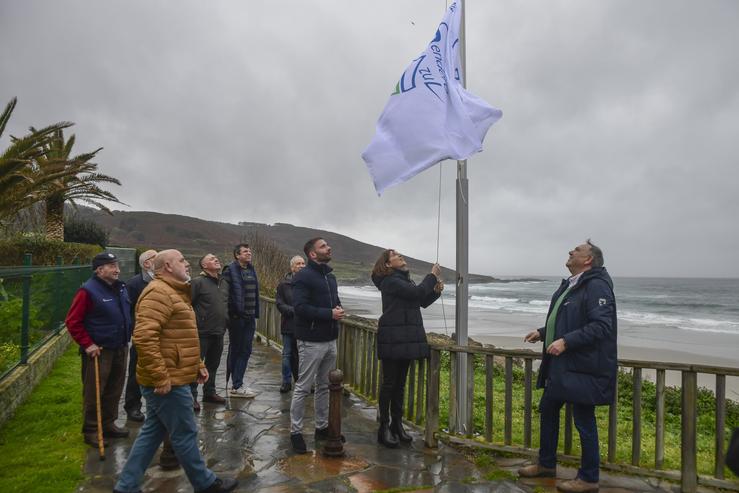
394	374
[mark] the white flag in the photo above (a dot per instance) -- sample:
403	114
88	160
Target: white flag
430	116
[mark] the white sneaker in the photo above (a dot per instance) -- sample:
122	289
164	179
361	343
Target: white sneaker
243	392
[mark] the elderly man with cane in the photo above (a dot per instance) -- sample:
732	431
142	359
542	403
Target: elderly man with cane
99	320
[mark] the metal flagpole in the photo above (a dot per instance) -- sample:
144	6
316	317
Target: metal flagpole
460	334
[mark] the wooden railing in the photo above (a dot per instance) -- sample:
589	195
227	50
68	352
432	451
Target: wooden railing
357	358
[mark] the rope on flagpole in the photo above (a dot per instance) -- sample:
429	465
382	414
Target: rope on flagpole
438	237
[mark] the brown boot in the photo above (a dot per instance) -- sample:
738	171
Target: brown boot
537	471
577	485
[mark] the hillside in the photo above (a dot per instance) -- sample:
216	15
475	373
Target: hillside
352	259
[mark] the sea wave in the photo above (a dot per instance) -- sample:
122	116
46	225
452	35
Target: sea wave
691	316
364	292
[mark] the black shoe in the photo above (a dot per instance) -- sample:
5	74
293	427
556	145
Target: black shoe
115	432
386	437
298	443
399	432
322	434
135	415
285	388
196	406
215	399
221	486
92	440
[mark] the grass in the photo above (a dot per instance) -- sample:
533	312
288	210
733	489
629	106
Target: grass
706	418
41	448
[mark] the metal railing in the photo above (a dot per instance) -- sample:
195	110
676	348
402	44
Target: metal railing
434	412
33	304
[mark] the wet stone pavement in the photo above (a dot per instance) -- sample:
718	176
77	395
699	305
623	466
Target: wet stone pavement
249	439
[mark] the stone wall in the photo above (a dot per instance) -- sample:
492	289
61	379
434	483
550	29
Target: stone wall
18	384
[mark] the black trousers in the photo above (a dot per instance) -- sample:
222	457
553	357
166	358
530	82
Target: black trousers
211	349
112	363
394	375
133	392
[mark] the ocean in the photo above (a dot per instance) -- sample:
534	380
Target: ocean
688	317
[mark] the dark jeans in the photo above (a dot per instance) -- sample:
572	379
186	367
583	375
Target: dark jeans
584	417
211	349
133	391
290	363
112	363
240	339
394	374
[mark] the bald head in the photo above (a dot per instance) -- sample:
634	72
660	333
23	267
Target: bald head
171	264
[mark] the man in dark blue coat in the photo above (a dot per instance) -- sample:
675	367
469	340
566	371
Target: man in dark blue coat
579	364
243	310
317	314
99	320
135	285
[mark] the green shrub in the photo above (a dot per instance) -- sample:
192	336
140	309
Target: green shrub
44	251
9	354
85	231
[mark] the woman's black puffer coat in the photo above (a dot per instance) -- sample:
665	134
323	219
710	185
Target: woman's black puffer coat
400	332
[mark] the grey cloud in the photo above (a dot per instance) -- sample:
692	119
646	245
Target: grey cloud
620	119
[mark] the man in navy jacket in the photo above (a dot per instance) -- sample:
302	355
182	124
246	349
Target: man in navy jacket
579	363
134	286
99	320
243	310
317	314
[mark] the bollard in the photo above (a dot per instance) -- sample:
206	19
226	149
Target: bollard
333	446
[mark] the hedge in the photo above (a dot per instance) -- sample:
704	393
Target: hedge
44	251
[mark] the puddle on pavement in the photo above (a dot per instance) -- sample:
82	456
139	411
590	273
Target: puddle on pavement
313	466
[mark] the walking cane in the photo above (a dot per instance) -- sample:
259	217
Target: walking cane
101	445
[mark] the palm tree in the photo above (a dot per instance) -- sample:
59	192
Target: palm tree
76	179
19	186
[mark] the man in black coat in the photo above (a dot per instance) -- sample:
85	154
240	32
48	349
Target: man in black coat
579	364
135	285
284	301
317	314
210	302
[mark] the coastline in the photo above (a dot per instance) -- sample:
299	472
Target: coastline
635	341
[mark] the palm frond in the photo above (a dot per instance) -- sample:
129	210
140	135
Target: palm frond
5	116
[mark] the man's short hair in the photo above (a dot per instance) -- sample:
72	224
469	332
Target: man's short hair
200	262
310	245
147	255
596	253
295	259
237	248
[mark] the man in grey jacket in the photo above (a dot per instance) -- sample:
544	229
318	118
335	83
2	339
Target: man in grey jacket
210	302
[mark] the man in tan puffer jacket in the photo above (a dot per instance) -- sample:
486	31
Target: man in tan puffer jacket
166	339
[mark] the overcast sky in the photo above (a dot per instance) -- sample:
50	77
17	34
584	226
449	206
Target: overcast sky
620	120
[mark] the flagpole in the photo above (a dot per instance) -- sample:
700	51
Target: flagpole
461	312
